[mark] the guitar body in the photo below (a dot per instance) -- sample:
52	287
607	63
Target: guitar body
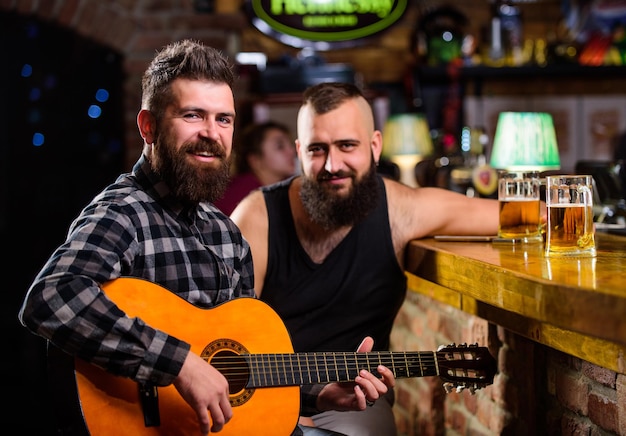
112	405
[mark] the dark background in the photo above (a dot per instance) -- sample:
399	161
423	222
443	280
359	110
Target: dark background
42	188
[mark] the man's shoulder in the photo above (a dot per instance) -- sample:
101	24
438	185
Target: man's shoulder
283	185
125	191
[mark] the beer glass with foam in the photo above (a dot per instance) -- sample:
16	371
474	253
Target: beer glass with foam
518	195
569	202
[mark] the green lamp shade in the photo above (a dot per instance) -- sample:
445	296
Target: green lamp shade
525	141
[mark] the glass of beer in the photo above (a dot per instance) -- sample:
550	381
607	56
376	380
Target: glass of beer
570	230
518	195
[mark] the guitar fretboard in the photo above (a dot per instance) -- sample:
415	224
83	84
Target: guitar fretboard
266	370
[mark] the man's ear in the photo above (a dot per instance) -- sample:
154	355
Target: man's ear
377	144
147	125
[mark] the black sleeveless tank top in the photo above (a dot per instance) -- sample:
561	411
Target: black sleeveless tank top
356	292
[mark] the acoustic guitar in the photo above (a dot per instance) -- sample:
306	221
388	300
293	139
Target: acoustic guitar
248	343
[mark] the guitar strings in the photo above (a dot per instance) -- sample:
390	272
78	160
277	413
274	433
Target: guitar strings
332	362
296	369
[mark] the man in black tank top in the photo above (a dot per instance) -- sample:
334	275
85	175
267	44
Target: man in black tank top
328	245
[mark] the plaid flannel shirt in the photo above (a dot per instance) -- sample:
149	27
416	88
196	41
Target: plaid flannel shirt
135	228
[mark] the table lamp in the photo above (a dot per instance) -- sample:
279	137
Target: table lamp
525	141
406	141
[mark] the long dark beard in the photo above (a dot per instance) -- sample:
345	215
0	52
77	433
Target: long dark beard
189	182
329	210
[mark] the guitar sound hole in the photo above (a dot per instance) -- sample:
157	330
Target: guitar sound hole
233	367
226	355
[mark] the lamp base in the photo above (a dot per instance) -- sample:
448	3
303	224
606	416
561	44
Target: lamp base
406	163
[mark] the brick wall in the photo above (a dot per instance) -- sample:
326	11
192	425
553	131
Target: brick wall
536	391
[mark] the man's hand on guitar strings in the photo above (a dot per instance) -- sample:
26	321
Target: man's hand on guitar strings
361	393
205	389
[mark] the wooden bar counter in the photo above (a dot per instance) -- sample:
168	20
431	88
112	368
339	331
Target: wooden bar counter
575	305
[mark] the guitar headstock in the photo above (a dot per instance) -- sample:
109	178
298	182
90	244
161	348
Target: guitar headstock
465	367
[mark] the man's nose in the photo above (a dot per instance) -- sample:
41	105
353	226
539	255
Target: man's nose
333	161
209	129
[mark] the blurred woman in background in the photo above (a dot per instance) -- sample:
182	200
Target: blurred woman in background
264	154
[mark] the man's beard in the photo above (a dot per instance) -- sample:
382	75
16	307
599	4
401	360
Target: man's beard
191	182
329	210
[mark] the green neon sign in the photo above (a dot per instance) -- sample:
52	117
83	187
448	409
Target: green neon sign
302	22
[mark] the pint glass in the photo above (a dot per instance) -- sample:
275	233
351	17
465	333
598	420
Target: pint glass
570	231
518	195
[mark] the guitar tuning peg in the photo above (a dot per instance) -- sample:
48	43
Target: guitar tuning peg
448	387
472	390
459	389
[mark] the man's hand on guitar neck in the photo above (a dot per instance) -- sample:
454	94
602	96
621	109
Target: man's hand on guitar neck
367	387
204	388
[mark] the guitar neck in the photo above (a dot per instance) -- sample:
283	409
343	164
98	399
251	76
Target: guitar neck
267	370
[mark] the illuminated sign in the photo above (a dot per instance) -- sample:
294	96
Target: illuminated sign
324	24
